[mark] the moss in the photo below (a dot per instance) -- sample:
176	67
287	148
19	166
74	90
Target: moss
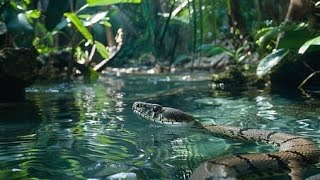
19	65
237	76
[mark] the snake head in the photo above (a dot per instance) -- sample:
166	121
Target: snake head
160	114
147	110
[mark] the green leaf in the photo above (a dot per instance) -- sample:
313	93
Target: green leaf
79	25
20	21
263	31
105	23
294	39
240	54
271	60
101	49
306	45
16	22
218	50
266	36
84	16
27	1
110	2
181	59
33	14
213	50
95	18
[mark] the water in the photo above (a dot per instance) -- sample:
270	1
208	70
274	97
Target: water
81	131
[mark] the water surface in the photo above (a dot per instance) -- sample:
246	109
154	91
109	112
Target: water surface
88	131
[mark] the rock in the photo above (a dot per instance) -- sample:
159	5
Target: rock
18	69
289	73
236	77
123	175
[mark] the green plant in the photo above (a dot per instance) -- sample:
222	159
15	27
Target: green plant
238	55
294	38
307	45
18	19
271	60
22	22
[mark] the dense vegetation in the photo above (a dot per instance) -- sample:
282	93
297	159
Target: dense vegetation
84	37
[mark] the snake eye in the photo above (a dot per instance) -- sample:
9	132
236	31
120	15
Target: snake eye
156	108
138	105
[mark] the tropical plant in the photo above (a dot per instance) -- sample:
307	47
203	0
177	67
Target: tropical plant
44	27
238	55
296	38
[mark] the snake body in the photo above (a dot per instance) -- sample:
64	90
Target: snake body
294	151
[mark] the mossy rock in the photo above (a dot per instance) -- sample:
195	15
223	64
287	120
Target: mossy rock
290	72
19	65
237	77
18	69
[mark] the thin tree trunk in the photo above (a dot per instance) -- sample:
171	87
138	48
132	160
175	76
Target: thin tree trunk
173	51
258	10
194	32
109	35
159	45
201	24
235	16
214	19
71	62
299	10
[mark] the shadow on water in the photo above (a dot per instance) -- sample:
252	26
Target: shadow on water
19	124
18	119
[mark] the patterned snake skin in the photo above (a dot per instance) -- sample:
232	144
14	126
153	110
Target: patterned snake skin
293	150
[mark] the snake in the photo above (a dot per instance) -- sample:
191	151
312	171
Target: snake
294	151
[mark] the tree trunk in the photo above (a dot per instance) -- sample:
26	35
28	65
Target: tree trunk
235	16
257	5
299	10
110	36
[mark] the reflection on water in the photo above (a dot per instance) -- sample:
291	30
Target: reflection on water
81	131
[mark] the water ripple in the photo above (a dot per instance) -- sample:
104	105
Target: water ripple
83	131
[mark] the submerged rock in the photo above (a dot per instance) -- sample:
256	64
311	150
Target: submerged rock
123	175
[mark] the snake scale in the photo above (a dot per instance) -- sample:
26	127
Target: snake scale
294	151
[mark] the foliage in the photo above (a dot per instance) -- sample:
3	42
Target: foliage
306	45
296	38
238	55
19	20
295	35
80	26
22	20
172	31
109	2
270	61
266	38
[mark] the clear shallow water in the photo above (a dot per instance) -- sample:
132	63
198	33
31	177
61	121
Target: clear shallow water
81	131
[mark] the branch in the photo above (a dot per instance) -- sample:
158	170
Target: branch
307	79
112	51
